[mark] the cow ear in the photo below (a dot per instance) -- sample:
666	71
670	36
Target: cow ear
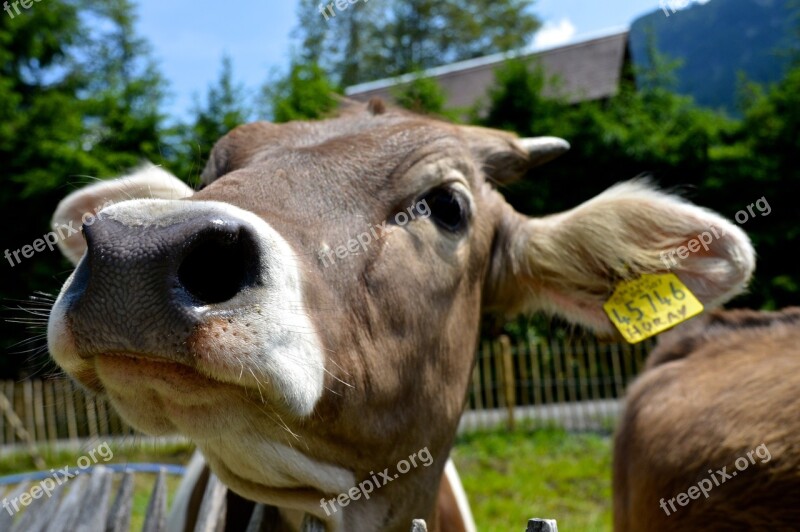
570	263
234	150
505	157
83	205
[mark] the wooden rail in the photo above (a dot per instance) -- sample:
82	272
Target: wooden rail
94	501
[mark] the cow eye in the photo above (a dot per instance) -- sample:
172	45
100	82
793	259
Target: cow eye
447	208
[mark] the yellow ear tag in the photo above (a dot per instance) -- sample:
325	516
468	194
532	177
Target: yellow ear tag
651	304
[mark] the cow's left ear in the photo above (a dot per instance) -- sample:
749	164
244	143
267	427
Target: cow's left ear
83	205
234	150
506	157
570	263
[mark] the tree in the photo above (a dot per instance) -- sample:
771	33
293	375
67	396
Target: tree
224	108
304	93
372	40
762	160
125	91
518	101
78	100
476	28
422	95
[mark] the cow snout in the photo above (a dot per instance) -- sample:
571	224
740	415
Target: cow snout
144	287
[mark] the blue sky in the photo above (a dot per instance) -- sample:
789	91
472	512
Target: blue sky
189	37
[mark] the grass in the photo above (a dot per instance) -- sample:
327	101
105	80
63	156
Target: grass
512	476
509	476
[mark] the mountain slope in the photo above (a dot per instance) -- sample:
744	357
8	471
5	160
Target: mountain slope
718	40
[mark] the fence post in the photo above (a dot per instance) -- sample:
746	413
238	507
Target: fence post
419	525
542	525
19	428
508	379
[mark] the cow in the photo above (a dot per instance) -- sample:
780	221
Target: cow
309	316
708	438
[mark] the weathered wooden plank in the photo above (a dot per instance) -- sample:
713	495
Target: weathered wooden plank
627	360
509	382
312	524
525	384
38	411
619	386
557	352
41	513
211	516
476	383
542	525
5	517
546	357
50	411
569	376
419	525
257	519
24	435
119	516
70	507
26	412
594	374
157	507
91	415
94	509
497	368
583	381
69	406
536	375
486	367
102	416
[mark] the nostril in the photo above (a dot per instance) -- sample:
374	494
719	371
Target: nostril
220	264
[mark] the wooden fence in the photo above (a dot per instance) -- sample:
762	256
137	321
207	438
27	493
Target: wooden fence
57	409
92	502
575	383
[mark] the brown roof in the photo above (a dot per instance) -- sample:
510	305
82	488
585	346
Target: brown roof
588	69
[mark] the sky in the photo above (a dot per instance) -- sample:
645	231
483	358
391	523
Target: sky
190	37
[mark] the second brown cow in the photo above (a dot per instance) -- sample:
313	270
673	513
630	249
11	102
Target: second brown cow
709	437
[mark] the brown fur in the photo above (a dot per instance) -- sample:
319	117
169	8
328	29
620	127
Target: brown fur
714	389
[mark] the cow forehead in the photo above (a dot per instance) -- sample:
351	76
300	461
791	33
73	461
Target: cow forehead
358	148
362	171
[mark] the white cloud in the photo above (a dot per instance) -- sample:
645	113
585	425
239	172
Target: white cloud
554	33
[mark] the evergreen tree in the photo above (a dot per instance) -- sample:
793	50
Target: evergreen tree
304	93
371	40
125	91
78	100
422	95
224	108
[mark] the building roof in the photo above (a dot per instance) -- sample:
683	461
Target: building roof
587	68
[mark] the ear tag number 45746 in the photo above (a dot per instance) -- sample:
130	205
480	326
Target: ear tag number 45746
643	307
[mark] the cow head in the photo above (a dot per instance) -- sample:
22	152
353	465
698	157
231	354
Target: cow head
309	317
